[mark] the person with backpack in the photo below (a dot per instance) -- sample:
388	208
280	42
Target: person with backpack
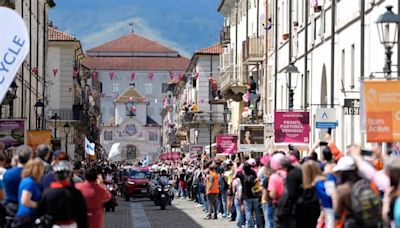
250	195
356	201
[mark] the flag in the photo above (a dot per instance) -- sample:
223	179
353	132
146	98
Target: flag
55	71
114	151
150	76
195	75
94	75
112	75
89	147
132	76
171	75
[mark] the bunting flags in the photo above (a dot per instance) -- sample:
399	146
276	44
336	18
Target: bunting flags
132	76
55	71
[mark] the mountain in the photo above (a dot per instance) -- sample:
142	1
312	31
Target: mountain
184	25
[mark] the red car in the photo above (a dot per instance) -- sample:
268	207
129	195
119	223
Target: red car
137	183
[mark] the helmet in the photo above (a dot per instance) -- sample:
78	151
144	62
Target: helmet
62	170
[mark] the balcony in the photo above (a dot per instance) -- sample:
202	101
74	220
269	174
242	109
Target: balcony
253	50
225	36
203	118
230	87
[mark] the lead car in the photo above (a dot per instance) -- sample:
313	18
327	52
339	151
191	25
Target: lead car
137	183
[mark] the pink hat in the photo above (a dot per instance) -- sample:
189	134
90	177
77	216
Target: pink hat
275	162
265	159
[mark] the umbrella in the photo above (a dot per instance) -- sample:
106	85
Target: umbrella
114	151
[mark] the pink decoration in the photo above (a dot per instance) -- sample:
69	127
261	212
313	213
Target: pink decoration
94	75
132	76
150	76
196	76
180	76
246	97
55	71
75	73
112	75
35	70
171	75
314	3
133	109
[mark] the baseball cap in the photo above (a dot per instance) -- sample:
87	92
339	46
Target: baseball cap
345	163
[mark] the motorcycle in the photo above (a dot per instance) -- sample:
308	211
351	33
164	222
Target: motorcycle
112	203
163	194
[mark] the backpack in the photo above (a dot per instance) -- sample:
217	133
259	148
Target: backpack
366	204
223	185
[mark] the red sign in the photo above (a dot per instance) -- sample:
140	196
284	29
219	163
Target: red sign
292	127
226	144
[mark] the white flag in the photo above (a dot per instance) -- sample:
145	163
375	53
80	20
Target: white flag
89	147
114	151
14	46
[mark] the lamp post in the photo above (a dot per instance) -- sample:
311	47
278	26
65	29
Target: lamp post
210	129
387	24
39	106
56	118
291	69
67	129
11	95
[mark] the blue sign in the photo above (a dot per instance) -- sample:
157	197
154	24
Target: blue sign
326	125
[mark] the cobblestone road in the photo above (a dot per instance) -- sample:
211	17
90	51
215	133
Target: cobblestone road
141	213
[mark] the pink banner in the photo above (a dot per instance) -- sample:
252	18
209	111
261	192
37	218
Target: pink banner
226	144
170	156
292	127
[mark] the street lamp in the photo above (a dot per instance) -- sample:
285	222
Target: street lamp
387	24
291	69
11	95
55	117
67	129
210	129
39	105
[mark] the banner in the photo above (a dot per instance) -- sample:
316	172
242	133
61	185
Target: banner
170	156
226	144
382	110
12	132
292	127
252	137
35	138
14	46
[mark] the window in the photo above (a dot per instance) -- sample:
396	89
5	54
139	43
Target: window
343	69
148	88
153	136
353	75
131	152
115	87
164	87
108	135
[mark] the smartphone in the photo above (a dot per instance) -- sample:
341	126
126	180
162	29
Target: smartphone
365	152
323	143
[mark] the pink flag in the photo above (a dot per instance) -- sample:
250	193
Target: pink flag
150	76
180	76
94	75
196	76
35	70
132	76
171	75
55	71
112	75
75	73
314	3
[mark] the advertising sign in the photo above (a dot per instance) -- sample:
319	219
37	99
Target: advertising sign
14	46
292	127
325	118
35	138
226	144
251	137
12	132
351	107
198	149
382	110
170	156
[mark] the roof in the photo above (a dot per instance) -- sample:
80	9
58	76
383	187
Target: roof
150	121
131	43
216	49
129	94
57	35
137	63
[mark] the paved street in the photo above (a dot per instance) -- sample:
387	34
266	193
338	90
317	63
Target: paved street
141	213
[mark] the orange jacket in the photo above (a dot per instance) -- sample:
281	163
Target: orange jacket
214	188
336	153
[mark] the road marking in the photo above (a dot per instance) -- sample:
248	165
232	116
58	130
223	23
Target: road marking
139	216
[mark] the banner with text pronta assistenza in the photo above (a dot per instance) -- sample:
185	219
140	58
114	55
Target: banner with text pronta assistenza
382	110
14	46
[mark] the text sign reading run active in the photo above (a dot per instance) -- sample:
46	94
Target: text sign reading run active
14	46
325	118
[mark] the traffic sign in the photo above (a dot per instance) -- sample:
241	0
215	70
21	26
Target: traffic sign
325	118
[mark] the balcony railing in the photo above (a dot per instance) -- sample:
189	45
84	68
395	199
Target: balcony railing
226	60
225	35
226	78
253	50
203	118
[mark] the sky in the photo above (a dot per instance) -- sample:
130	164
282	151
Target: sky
184	25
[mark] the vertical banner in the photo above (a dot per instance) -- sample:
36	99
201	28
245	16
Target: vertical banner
35	138
292	127
12	132
382	110
226	144
14	46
